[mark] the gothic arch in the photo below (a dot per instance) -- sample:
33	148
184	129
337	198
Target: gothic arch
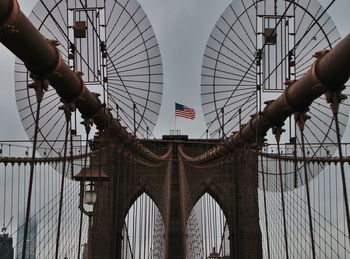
214	191
138	191
208	220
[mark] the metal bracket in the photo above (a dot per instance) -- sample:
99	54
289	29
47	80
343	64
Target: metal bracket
40	85
321	53
53	42
277	131
301	118
87	123
334	98
68	108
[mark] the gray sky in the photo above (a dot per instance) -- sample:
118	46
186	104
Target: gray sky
182	28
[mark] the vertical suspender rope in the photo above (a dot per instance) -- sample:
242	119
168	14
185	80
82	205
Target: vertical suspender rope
80	232
265	209
222	233
129	243
301	118
202	224
278	132
67	108
87	129
334	98
210	233
146	240
71	152
12	175
149	237
215	225
39	86
4	224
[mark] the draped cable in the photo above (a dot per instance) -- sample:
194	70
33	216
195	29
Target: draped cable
40	85
67	108
301	118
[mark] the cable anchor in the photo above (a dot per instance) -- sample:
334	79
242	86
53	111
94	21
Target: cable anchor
87	123
334	98
68	109
277	131
301	118
40	85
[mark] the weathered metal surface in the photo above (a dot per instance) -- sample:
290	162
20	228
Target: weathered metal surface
43	60
329	73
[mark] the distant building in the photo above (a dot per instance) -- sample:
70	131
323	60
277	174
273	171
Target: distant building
31	239
6	246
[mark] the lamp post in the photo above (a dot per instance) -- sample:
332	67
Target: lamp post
88	194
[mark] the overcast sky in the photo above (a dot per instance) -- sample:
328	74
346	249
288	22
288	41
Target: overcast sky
182	28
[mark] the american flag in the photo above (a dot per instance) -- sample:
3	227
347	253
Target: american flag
184	111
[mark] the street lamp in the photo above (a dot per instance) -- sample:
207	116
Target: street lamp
88	193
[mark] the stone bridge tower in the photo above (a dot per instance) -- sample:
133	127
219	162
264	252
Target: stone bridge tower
175	186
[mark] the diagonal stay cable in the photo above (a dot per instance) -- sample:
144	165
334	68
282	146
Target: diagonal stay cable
112	62
315	21
255	58
251	64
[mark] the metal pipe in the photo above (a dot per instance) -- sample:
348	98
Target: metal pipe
44	61
21	38
329	73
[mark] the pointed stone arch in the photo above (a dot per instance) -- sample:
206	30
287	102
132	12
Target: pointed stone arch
144	228
208	220
214	191
136	191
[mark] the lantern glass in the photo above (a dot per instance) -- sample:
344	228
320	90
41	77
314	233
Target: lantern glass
90	195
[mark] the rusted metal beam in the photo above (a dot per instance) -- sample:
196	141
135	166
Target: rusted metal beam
44	61
329	73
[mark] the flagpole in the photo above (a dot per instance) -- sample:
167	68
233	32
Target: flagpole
175	116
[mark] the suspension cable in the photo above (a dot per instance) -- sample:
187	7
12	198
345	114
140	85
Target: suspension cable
301	118
39	85
265	210
67	108
87	125
278	132
334	98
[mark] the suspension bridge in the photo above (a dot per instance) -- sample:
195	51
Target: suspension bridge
267	179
